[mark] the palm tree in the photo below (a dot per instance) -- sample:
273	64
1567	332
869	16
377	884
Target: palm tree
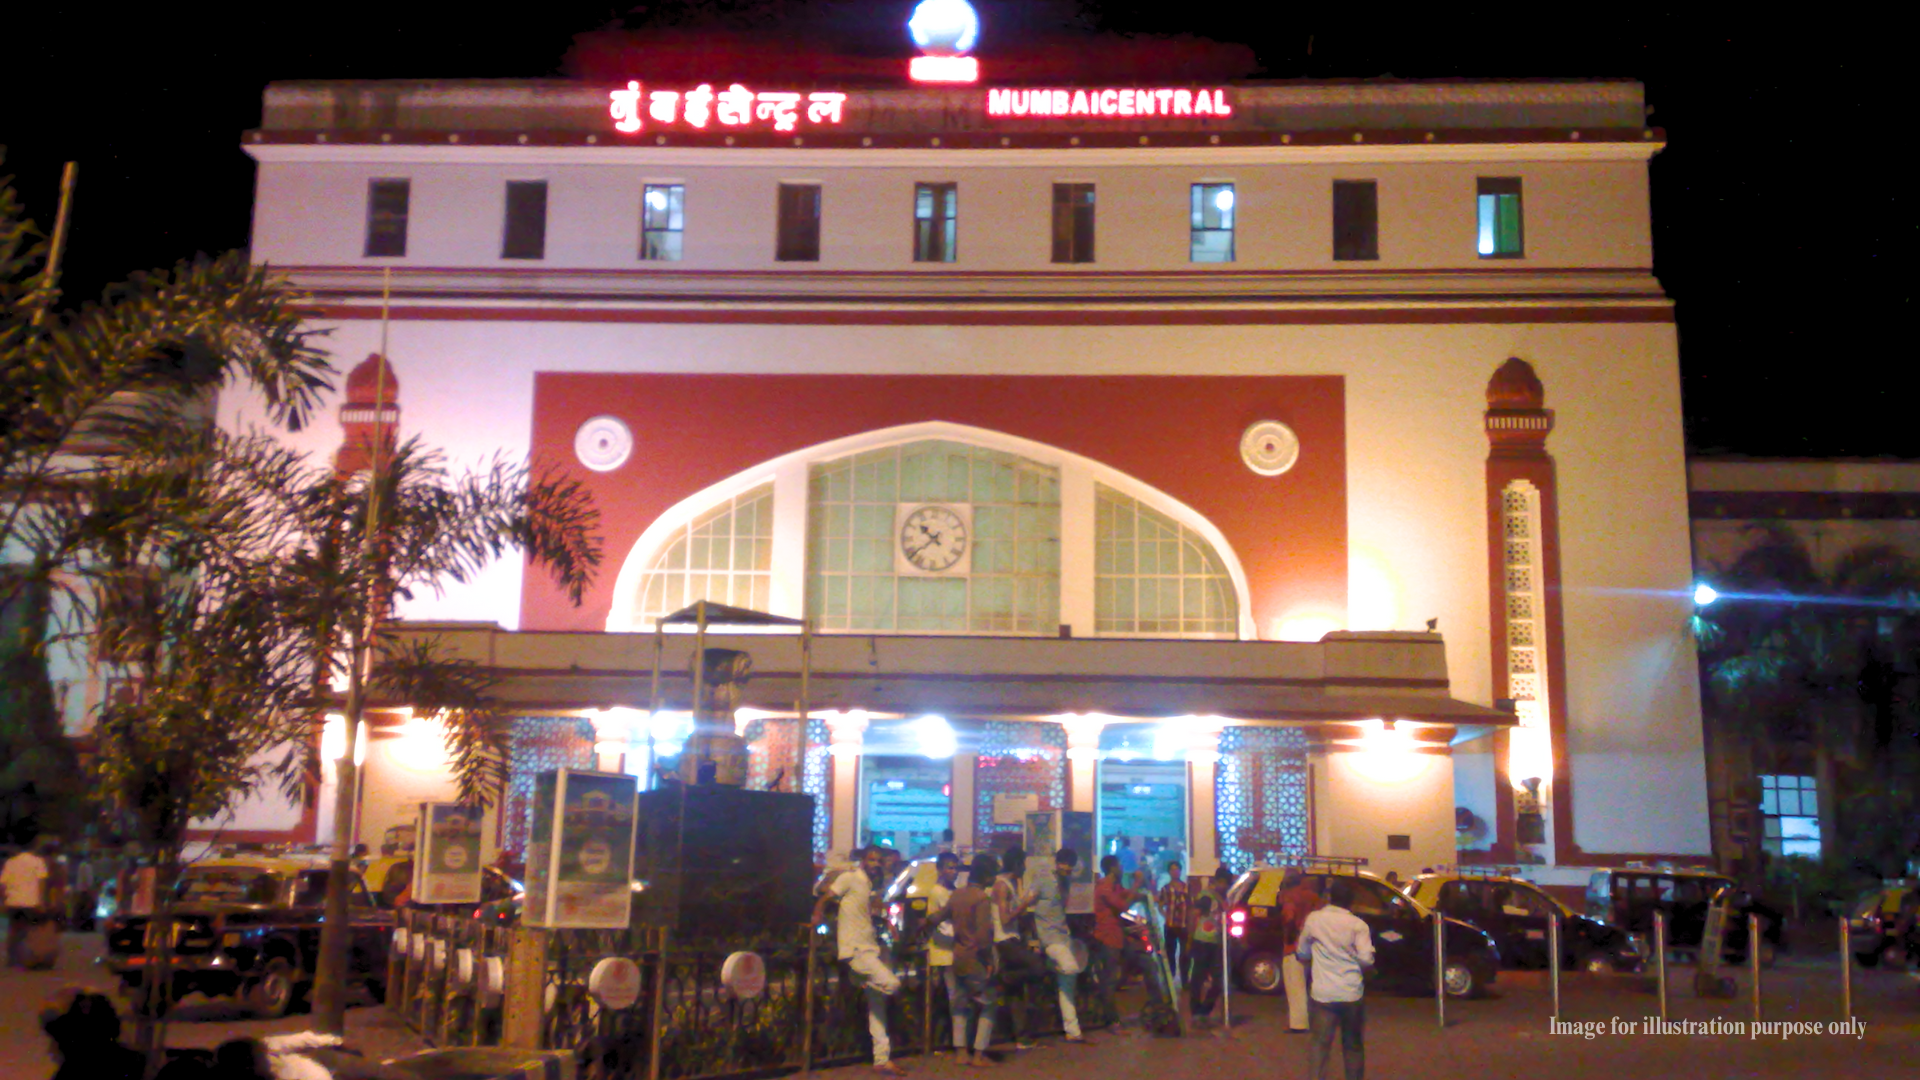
1807	663
365	542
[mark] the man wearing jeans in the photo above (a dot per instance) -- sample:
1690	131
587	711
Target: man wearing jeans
1336	946
860	950
1049	886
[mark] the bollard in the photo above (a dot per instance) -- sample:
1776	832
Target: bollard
1440	969
1846	969
1660	957
1753	961
1553	959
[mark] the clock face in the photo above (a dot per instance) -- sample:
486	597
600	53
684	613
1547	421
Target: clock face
933	538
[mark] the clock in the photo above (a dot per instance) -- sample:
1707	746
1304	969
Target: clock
933	539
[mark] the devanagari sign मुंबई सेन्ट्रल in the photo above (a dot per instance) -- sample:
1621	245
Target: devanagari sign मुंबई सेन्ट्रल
735	106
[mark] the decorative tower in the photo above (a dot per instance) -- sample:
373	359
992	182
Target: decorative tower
1531	786
373	401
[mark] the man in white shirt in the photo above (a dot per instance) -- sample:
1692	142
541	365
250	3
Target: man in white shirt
24	879
860	950
1336	946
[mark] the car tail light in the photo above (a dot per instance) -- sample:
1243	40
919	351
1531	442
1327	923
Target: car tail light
1237	930
1237	917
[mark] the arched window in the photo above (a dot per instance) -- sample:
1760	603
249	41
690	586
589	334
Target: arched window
725	555
1006	577
1153	575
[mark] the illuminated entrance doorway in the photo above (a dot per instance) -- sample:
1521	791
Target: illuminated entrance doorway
906	784
1143	800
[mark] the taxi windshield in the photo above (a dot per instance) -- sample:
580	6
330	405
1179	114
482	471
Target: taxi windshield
228	885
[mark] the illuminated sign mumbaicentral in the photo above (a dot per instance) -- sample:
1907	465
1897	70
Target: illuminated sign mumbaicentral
1133	101
735	106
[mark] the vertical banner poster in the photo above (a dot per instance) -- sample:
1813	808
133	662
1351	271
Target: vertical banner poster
1077	832
583	835
1050	830
447	866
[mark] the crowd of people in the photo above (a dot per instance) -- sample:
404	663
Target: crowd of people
1007	929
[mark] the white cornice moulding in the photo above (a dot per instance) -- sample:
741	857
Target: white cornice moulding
802	157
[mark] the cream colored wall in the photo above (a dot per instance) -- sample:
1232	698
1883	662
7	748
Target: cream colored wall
1354	812
395	786
1578	214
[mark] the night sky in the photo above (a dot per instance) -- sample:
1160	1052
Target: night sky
1778	220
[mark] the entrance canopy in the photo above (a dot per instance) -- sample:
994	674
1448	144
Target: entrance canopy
1333	684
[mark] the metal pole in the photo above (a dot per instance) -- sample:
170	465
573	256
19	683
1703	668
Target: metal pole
659	1004
926	1010
1660	957
1753	961
653	703
1440	969
1553	959
805	707
806	1031
50	277
1846	969
1226	973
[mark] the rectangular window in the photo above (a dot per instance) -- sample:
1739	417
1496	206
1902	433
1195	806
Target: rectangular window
387	217
1499	207
526	232
1356	220
1073	223
662	220
936	208
1790	807
799	223
1212	223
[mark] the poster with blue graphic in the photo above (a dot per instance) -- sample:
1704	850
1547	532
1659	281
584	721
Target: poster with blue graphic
583	838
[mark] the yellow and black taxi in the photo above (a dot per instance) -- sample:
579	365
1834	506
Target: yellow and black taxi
1402	931
1885	924
1627	897
1517	914
248	926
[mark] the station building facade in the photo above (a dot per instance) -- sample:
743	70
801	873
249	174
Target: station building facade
1300	475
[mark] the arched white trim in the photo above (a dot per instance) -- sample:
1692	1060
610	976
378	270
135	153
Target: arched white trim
788	473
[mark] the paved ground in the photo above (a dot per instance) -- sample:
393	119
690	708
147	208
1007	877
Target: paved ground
1505	1035
198	1022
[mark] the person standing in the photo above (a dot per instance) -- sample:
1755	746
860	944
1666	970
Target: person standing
24	879
1337	948
1298	899
1111	899
971	910
1205	966
855	892
1176	907
946	872
1019	965
1049	884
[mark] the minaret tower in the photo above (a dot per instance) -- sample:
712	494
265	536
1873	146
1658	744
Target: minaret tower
1531	783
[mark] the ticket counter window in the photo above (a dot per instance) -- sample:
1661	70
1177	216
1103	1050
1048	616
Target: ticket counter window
1143	814
906	801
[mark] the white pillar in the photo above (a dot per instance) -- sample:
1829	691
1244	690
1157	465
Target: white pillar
1203	818
1083	762
961	805
846	732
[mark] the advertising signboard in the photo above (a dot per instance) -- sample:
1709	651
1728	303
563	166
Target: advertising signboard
580	851
447	867
1051	830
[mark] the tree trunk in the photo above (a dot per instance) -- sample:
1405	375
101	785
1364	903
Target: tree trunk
336	933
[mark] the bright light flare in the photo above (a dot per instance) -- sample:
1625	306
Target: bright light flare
1704	594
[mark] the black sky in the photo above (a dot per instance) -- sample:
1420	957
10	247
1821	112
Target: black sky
1781	216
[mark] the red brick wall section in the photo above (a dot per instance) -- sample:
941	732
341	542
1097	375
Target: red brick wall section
1179	434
